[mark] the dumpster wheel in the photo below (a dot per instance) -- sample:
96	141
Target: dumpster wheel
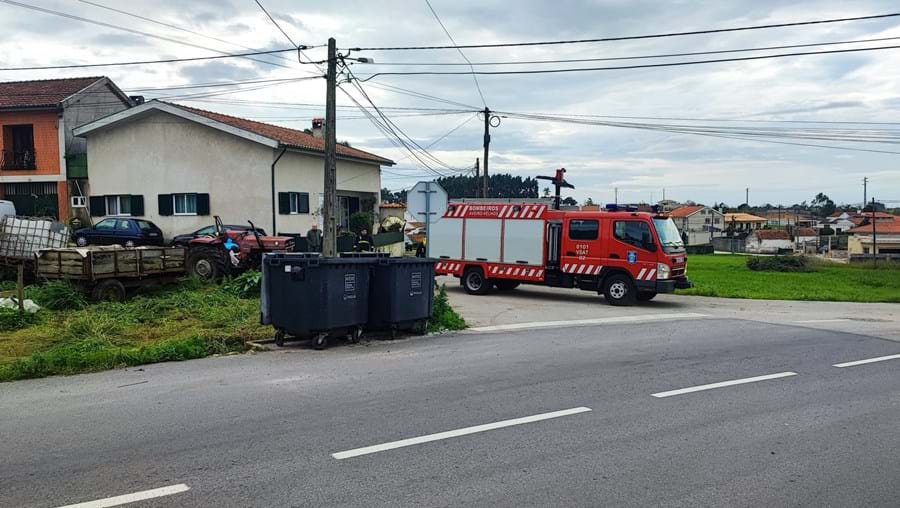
279	338
355	335
320	341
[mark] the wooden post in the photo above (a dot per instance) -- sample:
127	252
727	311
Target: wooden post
20	286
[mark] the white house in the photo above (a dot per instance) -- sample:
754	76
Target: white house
698	224
177	166
769	241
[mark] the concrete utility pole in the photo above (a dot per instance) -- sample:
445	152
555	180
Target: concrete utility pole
874	236
747	198
487	144
865	190
329	236
617	195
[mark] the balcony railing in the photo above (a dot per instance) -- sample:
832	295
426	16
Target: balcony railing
17	159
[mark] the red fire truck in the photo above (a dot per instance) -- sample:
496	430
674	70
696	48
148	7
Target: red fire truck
626	255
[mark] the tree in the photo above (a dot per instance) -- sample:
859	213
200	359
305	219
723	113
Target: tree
501	185
393	197
588	202
823	205
569	201
546	192
876	206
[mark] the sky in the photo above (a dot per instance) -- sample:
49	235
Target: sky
641	164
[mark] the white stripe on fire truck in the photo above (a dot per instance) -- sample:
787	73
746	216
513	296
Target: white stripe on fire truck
641	275
540	272
599	267
651	274
531	273
581	268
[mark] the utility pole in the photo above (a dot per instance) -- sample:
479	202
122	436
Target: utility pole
874	236
329	237
747	198
487	144
865	189
617	195
477	173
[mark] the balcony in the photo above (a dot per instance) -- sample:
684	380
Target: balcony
17	159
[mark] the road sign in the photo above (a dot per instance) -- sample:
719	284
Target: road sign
427	201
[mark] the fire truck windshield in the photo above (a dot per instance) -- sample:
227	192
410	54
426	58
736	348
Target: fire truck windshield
669	236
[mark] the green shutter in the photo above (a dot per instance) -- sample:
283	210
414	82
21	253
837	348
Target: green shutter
303	203
165	204
137	206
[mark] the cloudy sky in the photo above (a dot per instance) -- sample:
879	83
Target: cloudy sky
847	87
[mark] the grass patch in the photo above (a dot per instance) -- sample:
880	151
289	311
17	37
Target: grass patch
443	317
728	276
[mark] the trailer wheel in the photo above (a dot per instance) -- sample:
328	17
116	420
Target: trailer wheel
279	338
646	296
506	284
109	290
619	290
320	341
474	283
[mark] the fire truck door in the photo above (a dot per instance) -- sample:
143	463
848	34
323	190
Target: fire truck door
632	247
581	249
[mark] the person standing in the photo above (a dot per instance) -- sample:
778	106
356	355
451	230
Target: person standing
314	239
364	241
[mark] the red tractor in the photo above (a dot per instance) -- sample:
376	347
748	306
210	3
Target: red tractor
228	252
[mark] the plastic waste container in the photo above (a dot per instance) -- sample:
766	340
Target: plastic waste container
401	293
307	296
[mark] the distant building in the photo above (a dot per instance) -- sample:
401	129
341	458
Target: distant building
788	217
667	205
742	223
768	241
886	238
698	224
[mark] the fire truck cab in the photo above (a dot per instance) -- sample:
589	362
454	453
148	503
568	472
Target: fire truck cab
626	255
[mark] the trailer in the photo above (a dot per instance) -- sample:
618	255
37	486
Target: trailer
626	255
106	272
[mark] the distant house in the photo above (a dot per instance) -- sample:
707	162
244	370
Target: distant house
805	237
392	210
698	224
42	163
885	240
768	241
743	223
789	217
667	205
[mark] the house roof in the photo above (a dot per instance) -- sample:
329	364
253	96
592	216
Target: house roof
393	205
264	133
743	217
45	93
685	211
892	227
805	232
771	234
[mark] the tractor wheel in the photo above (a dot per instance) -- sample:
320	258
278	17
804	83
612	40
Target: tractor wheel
474	282
109	290
206	264
506	284
619	290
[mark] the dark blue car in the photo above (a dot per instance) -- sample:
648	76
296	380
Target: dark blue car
120	231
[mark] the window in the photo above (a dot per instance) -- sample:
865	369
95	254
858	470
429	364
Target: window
635	233
299	202
717	220
123	225
583	229
107	224
118	206
706	220
184	204
18	147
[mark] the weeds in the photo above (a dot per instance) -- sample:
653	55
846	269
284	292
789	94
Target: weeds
443	316
57	295
12	319
245	285
779	264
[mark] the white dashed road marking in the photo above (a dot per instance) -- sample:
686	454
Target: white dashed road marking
132	498
723	384
457	433
870	360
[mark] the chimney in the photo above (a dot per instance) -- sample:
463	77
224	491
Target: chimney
137	100
318	127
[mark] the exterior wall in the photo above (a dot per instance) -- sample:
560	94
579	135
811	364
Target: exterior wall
93	103
856	244
164	154
758	246
697	229
46	144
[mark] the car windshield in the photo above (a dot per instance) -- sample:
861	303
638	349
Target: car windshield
669	236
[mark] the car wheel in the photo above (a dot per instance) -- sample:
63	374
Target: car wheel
81	241
619	290
475	283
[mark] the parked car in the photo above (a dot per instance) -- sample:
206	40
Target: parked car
120	231
182	240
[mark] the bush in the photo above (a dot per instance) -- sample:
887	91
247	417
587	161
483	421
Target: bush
360	221
443	316
245	285
58	295
780	264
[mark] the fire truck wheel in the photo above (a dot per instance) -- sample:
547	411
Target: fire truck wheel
646	296
619	290
474	283
506	285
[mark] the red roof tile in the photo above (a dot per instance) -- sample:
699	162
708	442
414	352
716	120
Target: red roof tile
805	232
288	137
771	234
393	205
684	211
42	93
881	227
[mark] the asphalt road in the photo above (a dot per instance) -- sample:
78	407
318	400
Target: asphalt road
262	430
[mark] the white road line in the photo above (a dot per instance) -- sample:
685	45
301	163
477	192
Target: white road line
457	433
131	498
586	322
723	384
823	321
870	360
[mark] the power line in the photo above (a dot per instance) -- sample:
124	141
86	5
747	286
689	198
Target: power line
444	28
626	67
147	62
451	131
130	30
420	95
638	57
288	37
631	37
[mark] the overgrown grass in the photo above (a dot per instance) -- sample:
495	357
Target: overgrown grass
728	276
443	317
178	322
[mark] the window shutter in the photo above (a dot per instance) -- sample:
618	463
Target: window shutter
137	206
165	204
98	206
284	203
303	203
202	204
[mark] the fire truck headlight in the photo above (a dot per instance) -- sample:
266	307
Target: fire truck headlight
663	271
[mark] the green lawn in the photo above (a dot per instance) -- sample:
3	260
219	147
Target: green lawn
727	276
